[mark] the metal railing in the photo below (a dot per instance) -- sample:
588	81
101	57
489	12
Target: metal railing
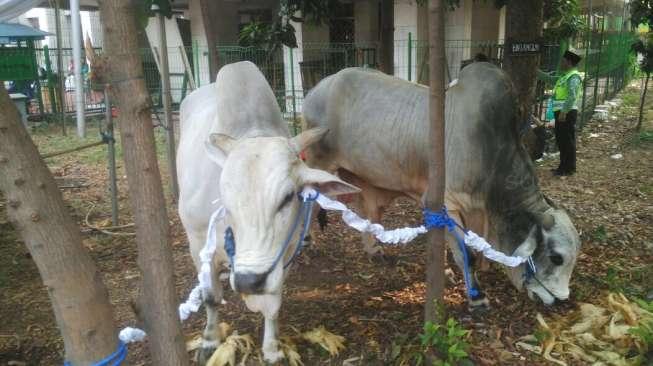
292	72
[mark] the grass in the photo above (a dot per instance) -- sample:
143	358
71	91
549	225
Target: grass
48	139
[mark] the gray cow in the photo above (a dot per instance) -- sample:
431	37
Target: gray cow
378	141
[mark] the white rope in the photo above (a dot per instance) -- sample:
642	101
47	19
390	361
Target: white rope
129	335
407	234
194	300
396	236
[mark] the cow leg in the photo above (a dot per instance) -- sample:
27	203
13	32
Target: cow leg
476	220
211	335
479	300
210	298
269	306
372	212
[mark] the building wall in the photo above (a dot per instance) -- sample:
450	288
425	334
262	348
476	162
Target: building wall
173	43
485	21
366	18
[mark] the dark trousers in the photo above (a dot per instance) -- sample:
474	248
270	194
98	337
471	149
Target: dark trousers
565	132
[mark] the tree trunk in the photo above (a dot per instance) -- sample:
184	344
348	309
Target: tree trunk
435	193
386	52
641	104
210	13
158	303
79	298
523	24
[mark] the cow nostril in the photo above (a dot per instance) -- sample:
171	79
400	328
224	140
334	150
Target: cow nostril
249	283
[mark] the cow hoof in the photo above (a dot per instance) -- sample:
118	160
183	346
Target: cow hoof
479	303
375	251
272	357
451	277
205	354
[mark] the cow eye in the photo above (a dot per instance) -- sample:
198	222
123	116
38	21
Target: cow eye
286	200
556	259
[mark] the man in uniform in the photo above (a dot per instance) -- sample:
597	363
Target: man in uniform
567	95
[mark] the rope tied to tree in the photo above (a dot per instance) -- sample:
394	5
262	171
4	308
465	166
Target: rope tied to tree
127	335
441	219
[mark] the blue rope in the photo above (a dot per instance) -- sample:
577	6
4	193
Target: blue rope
308	208
114	359
305	212
230	245
441	219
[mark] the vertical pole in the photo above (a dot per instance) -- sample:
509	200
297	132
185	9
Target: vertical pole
196	63
39	97
111	156
410	55
292	87
167	106
60	73
586	62
598	62
77	62
436	183
51	86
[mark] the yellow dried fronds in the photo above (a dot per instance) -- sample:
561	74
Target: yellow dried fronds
596	333
226	353
330	342
224	331
289	349
194	343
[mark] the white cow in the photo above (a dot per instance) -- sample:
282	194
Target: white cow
235	147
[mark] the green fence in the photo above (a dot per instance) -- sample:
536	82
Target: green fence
291	72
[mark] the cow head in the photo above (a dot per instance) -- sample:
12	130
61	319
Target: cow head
259	186
553	243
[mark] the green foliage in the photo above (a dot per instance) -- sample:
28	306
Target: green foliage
643	332
446	342
644	48
563	18
641	12
600	234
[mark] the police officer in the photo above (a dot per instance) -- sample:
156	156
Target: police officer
567	95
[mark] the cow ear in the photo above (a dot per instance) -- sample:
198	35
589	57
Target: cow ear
326	183
306	138
218	147
527	248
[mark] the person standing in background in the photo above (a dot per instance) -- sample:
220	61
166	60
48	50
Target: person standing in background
567	94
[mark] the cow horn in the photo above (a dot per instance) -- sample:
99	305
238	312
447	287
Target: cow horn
547	221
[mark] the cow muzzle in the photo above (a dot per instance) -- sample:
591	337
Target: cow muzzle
249	283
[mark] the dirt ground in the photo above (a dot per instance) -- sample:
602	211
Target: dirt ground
373	305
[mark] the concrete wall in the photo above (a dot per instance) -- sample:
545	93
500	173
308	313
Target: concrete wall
173	42
485	21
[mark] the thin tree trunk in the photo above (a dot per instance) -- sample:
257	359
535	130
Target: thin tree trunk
157	304
79	298
435	193
523	24
209	10
641	104
386	52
